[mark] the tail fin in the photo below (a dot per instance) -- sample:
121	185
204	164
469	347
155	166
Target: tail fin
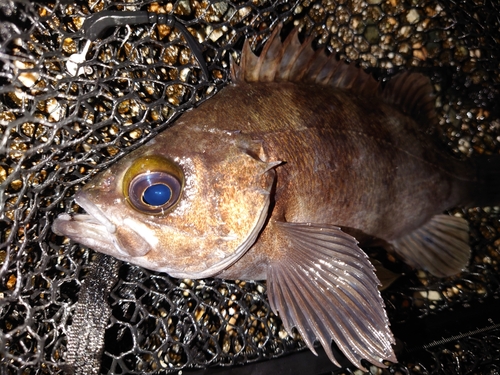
487	189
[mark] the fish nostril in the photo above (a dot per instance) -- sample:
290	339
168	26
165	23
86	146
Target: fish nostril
107	184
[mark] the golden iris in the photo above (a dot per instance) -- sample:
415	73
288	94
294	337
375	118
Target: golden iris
153	184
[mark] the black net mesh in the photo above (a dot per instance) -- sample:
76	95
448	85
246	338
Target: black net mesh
60	124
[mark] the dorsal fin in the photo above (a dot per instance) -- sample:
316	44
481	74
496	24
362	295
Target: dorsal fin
293	61
413	94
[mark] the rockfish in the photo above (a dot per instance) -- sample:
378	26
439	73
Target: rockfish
281	176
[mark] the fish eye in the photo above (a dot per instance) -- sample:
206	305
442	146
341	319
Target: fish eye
154	191
153	184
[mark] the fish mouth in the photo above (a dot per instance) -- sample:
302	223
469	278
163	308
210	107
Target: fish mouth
96	231
97	216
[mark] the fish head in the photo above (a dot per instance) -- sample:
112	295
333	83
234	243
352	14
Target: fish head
186	204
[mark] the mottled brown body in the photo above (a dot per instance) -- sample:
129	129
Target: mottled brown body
347	161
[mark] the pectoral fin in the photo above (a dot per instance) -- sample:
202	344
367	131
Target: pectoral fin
441	246
325	286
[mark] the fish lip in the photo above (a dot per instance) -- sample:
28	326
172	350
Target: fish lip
83	229
93	229
94	212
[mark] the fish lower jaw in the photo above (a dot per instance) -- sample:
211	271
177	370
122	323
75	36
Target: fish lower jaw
87	231
71	226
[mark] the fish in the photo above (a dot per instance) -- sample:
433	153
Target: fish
284	176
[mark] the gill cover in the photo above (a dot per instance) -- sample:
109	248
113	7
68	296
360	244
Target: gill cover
223	206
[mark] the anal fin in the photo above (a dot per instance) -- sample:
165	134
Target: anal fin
441	246
325	286
385	276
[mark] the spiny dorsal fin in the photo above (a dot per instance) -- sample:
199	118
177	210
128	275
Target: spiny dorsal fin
293	61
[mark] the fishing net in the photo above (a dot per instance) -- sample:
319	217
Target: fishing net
79	91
